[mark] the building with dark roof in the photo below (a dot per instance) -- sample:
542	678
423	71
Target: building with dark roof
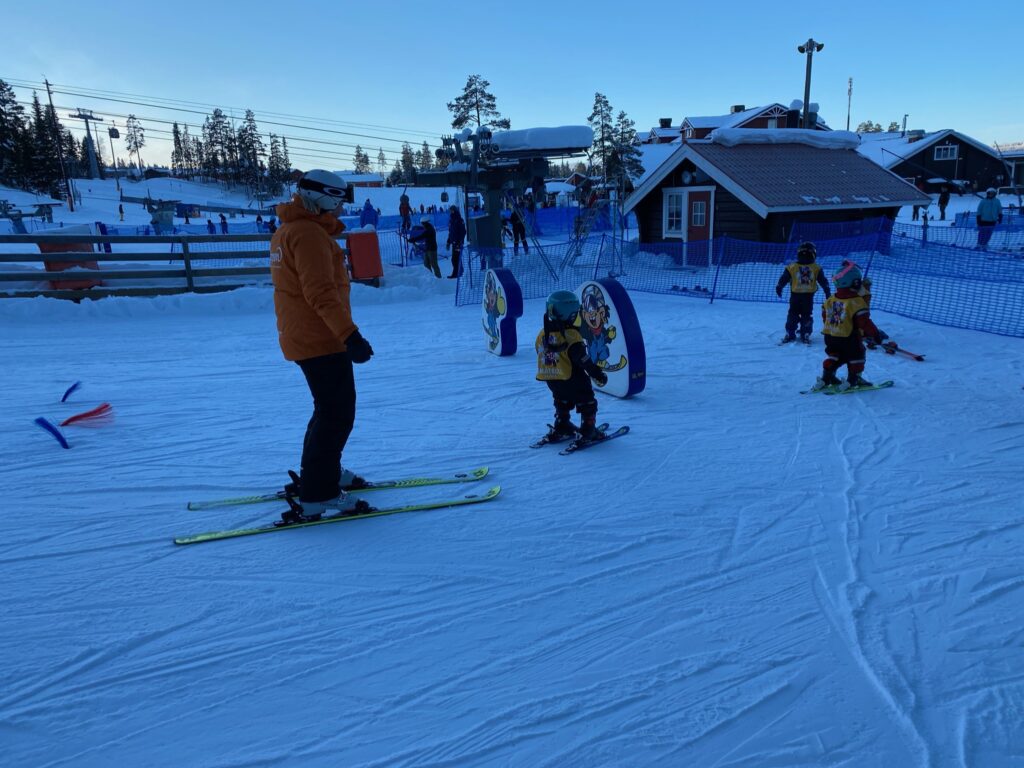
937	159
753	185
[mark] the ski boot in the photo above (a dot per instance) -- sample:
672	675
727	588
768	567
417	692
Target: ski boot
311	511
589	432
805	338
827	379
350	481
855	380
789	337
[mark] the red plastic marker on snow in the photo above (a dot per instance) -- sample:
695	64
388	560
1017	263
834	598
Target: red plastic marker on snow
96	413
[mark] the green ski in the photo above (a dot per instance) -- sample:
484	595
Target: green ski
409	482
341	517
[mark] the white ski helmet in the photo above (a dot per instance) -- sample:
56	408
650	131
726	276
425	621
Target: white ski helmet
322	190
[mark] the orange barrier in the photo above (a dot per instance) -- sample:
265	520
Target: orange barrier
364	256
60	266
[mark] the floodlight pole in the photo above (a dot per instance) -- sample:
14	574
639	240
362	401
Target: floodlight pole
810	48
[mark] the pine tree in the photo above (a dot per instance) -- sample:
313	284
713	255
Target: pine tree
187	156
13	137
624	162
250	149
395	177
893	127
277	169
134	138
177	153
425	158
601	121
382	161
45	172
408	165
287	162
362	161
868	127
476	106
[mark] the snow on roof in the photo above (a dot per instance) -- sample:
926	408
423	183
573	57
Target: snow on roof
567	137
665	132
730	137
887	148
558	187
651	157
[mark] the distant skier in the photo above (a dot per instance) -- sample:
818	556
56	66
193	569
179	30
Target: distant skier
989	214
804	276
368	215
846	317
518	232
210	228
427	235
405	211
456	239
565	366
223	224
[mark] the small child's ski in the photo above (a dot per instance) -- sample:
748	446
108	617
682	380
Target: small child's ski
891	348
549	439
851	390
579	444
839	389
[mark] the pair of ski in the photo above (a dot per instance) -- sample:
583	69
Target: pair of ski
837	389
795	340
360	511
578	443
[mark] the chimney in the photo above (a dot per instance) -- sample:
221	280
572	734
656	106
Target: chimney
664	122
737	108
792	118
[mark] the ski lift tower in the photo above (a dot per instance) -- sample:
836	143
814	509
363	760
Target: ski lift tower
90	147
502	163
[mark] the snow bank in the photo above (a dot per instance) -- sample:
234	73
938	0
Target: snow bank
730	137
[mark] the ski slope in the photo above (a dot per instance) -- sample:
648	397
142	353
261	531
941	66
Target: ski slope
750	578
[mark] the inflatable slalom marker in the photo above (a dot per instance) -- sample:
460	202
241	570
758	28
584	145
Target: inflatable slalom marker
502	306
609	326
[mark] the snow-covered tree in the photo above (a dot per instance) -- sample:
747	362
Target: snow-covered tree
476	106
361	160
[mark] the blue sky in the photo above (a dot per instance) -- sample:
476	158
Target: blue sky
394	65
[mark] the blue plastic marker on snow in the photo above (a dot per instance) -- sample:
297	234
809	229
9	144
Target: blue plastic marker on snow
70	389
57	434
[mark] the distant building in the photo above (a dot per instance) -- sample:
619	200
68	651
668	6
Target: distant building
362	179
664	133
937	159
770	116
755	187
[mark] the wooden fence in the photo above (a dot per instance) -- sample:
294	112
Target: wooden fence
171	272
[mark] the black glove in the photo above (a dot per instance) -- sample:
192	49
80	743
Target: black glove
778	291
882	335
601	378
359	349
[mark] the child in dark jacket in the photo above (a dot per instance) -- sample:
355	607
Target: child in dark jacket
428	236
564	364
847	319
804	277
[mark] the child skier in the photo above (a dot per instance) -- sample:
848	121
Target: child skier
804	277
846	318
565	366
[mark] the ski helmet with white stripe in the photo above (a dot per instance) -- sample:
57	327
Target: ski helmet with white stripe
322	190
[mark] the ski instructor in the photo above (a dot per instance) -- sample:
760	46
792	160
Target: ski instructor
315	329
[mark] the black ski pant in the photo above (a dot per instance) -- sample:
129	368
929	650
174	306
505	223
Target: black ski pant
333	388
576	392
456	260
801	312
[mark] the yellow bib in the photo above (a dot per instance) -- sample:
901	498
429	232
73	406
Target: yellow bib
803	278
553	363
837	315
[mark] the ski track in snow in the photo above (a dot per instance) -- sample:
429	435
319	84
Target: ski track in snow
749	578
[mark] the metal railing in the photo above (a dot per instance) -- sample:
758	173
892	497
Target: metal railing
176	264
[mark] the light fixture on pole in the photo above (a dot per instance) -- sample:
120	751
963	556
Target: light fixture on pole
811	47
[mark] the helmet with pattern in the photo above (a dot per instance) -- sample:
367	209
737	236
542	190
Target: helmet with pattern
806	253
848	276
321	190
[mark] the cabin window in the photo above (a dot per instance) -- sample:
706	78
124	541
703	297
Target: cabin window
699	213
946	152
674	216
773	122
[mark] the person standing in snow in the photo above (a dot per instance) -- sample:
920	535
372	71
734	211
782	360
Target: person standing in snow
368	215
223	224
428	236
518	232
803	276
990	213
456	238
846	318
943	202
210	229
405	211
316	331
564	364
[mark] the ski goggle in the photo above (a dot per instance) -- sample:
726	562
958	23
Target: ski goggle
316	186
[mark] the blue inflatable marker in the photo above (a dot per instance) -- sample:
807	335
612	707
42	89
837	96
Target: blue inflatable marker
57	434
70	389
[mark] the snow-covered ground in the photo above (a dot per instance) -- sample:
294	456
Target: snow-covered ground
750	578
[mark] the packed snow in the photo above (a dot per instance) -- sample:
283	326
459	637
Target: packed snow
750	577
